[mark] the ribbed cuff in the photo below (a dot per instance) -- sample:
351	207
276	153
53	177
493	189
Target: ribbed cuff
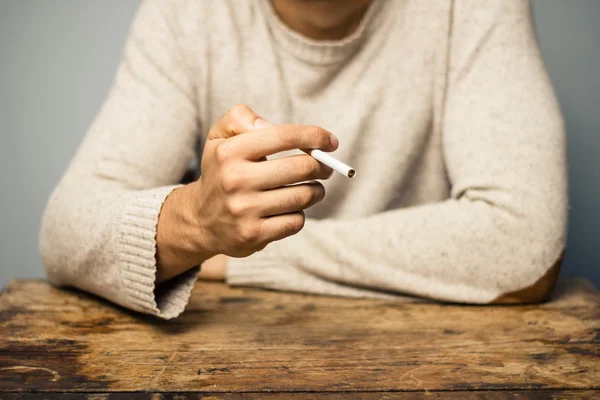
137	256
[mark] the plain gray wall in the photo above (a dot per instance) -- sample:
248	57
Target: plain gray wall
58	58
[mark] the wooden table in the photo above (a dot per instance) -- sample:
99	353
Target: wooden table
253	344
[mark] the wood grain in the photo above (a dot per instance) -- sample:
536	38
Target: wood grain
457	395
248	341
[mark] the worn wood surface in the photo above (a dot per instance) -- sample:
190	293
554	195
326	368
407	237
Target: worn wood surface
455	395
244	343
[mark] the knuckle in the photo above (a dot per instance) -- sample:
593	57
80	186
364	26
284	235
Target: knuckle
294	225
260	243
309	167
319	137
312	195
223	152
240	251
234	177
263	240
302	197
305	196
237	207
238	111
261	246
232	181
249	233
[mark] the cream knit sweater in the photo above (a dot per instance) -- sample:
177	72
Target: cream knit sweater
443	107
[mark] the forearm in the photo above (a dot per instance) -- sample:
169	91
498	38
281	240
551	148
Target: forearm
459	250
101	239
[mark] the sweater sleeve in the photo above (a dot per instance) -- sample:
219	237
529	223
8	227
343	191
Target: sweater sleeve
504	147
99	227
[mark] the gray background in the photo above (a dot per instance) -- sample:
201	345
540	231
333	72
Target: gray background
58	58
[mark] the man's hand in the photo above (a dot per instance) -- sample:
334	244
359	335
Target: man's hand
241	202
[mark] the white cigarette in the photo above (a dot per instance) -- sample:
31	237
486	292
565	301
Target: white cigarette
332	163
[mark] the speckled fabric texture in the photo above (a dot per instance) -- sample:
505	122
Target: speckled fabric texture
443	107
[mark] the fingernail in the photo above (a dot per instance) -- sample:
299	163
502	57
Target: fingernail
334	141
260	123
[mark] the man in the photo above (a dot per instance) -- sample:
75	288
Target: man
444	109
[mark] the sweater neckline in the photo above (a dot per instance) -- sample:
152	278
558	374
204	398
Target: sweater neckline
322	52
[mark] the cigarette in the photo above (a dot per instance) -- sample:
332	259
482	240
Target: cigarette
332	163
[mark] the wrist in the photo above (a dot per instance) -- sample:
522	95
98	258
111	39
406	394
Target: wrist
180	242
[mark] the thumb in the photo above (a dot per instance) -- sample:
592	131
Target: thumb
237	120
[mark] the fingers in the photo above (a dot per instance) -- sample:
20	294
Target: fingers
290	198
238	119
282	226
287	171
261	143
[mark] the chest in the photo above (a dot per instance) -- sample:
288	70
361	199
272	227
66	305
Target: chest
380	102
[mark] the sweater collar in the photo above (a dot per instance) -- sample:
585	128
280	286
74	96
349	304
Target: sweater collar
322	52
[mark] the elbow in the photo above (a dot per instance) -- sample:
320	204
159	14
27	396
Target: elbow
537	265
537	292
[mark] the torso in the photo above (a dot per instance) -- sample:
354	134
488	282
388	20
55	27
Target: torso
381	100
